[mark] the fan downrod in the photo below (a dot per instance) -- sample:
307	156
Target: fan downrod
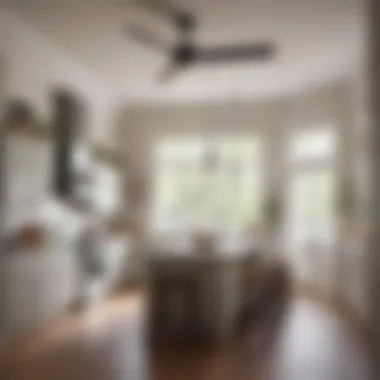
185	22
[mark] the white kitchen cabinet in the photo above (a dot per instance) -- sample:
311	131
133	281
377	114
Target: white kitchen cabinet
35	287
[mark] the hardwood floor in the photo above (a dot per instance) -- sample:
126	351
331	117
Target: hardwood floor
108	342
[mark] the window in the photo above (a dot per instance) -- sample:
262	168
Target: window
312	188
213	183
315	145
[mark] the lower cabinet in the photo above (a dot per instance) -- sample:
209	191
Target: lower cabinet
34	289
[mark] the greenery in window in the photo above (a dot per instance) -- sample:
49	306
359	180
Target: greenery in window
189	198
272	211
350	210
221	192
346	200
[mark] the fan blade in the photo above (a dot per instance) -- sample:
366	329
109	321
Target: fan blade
258	51
147	38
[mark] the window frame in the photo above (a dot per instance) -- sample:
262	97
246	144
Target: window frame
311	165
210	140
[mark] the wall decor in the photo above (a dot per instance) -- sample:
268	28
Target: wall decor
18	115
67	127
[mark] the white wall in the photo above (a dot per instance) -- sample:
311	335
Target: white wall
275	121
34	67
272	120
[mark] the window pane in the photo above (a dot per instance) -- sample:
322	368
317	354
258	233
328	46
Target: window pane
311	216
312	207
236	195
179	149
313	145
207	183
237	148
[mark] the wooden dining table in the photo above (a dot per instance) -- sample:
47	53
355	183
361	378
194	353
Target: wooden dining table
194	295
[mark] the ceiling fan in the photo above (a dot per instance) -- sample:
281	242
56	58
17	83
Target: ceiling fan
186	52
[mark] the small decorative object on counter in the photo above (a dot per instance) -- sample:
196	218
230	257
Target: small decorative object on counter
31	236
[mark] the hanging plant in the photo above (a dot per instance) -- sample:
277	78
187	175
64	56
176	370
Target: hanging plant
351	210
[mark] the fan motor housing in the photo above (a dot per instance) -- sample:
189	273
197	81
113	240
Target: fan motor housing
184	54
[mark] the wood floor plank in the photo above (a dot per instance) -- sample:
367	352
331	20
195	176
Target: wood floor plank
108	342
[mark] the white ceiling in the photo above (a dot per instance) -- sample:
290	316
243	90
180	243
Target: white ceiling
318	41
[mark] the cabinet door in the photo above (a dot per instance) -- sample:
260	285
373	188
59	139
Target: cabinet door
23	286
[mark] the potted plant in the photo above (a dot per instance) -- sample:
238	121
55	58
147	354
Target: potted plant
272	214
347	210
346	202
